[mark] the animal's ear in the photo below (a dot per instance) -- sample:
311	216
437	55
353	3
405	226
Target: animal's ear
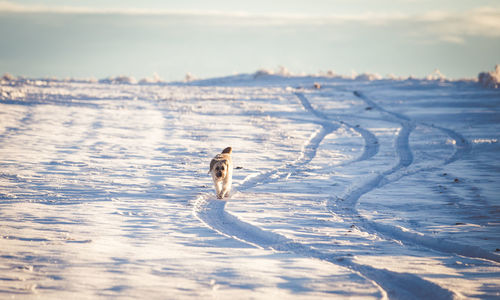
228	150
212	164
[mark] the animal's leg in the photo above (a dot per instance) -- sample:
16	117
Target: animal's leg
218	189
226	188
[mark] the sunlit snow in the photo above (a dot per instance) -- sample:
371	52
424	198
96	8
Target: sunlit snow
343	188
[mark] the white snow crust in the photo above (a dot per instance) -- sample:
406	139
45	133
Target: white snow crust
363	188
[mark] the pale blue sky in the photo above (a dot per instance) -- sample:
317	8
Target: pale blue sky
74	38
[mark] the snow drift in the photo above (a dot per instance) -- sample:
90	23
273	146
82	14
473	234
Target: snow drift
490	79
344	187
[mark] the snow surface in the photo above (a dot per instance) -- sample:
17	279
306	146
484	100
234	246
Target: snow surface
343	188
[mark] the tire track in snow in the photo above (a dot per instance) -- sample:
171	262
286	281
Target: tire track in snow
306	155
346	205
371	147
461	145
212	213
461	148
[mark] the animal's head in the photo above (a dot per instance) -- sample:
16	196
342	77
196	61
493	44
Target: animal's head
220	169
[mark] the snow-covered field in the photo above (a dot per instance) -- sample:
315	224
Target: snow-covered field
350	189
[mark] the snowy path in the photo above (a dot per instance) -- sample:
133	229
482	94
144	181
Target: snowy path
348	201
355	190
394	285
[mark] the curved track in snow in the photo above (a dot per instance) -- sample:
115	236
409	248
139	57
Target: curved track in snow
391	284
371	147
101	178
212	213
345	206
307	154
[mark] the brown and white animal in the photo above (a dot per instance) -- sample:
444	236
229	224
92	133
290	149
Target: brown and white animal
221	168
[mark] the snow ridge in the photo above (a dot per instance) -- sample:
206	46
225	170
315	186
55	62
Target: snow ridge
345	205
306	155
101	178
212	213
462	146
392	285
371	142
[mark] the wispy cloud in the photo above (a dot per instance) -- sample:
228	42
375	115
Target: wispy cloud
456	27
7	6
452	27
